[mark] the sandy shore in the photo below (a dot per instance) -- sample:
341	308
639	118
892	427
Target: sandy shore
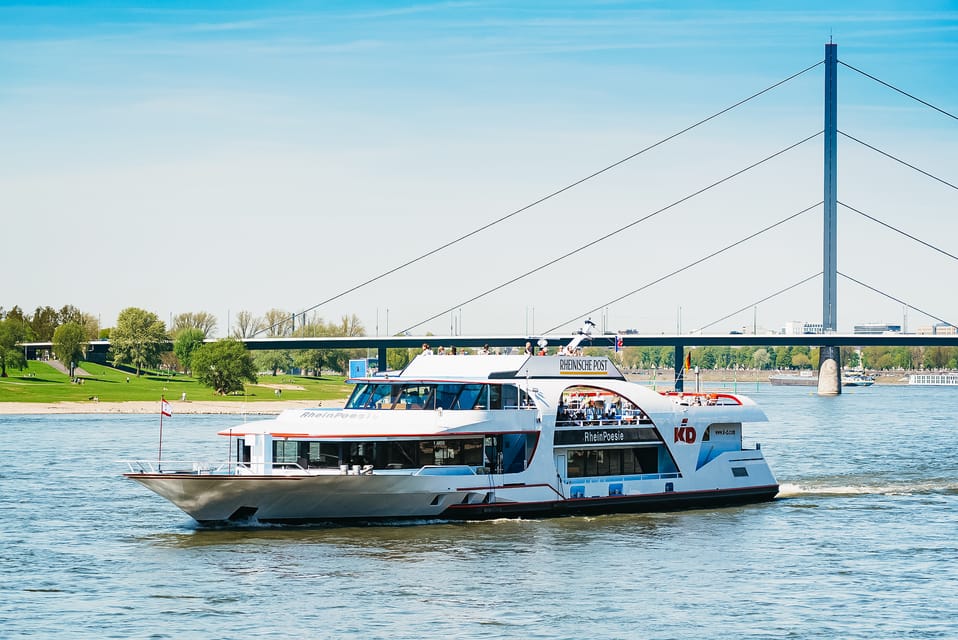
267	407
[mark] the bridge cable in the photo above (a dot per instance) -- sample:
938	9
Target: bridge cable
612	233
907	235
904	93
758	302
549	196
891	297
888	155
686	267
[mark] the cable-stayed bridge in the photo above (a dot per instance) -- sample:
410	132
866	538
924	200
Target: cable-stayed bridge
829	205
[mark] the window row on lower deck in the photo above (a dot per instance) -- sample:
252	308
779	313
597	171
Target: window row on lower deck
499	453
618	461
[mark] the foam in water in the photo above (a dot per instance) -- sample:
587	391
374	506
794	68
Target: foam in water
790	490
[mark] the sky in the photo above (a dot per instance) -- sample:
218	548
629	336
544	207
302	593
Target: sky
228	156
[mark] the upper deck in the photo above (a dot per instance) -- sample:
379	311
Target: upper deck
495	367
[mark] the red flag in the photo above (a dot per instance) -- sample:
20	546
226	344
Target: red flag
166	408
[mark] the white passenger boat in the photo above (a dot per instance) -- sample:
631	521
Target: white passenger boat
934	379
475	437
857	380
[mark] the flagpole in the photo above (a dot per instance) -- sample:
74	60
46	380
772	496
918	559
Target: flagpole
159	452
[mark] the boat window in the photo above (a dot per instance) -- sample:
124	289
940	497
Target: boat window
509	452
584	463
286	451
323	454
525	401
585	406
469	396
503	396
455	452
447	395
359	398
414	396
243	451
371	396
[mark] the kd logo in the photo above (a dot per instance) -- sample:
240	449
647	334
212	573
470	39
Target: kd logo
685	434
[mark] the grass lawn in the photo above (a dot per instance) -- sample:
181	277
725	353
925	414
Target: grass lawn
42	383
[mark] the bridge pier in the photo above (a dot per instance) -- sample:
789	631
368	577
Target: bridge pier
383	365
679	368
830	371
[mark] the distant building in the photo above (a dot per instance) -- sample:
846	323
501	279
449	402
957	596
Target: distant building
797	328
876	328
938	329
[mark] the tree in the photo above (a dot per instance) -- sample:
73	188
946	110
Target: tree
397	359
16	313
43	322
311	360
188	341
137	338
69	344
69	313
772	357
801	360
278	323
12	331
666	357
708	359
91	325
273	360
760	358
205	322
224	365
850	357
247	325
783	357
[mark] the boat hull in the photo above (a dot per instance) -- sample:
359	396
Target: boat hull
216	500
671	501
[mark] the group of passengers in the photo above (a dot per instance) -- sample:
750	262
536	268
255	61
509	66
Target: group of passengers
569	351
590	413
441	351
452	351
529	350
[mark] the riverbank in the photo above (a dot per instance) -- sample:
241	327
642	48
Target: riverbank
266	407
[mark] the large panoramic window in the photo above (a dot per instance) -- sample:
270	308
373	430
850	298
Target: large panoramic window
447	396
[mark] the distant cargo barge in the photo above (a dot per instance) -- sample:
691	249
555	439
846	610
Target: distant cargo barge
803	379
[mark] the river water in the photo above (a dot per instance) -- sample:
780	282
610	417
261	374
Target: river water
861	543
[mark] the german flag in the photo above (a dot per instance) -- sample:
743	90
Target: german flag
688	361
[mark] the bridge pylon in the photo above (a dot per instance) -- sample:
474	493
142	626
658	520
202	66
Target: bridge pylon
830	360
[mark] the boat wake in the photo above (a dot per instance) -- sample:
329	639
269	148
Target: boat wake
792	490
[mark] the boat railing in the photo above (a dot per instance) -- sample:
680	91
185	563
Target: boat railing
701	399
619	421
193	467
446	470
638	476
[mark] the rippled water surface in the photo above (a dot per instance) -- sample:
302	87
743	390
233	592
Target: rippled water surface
861	543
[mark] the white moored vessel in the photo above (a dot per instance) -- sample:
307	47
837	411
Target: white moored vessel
480	436
934	379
